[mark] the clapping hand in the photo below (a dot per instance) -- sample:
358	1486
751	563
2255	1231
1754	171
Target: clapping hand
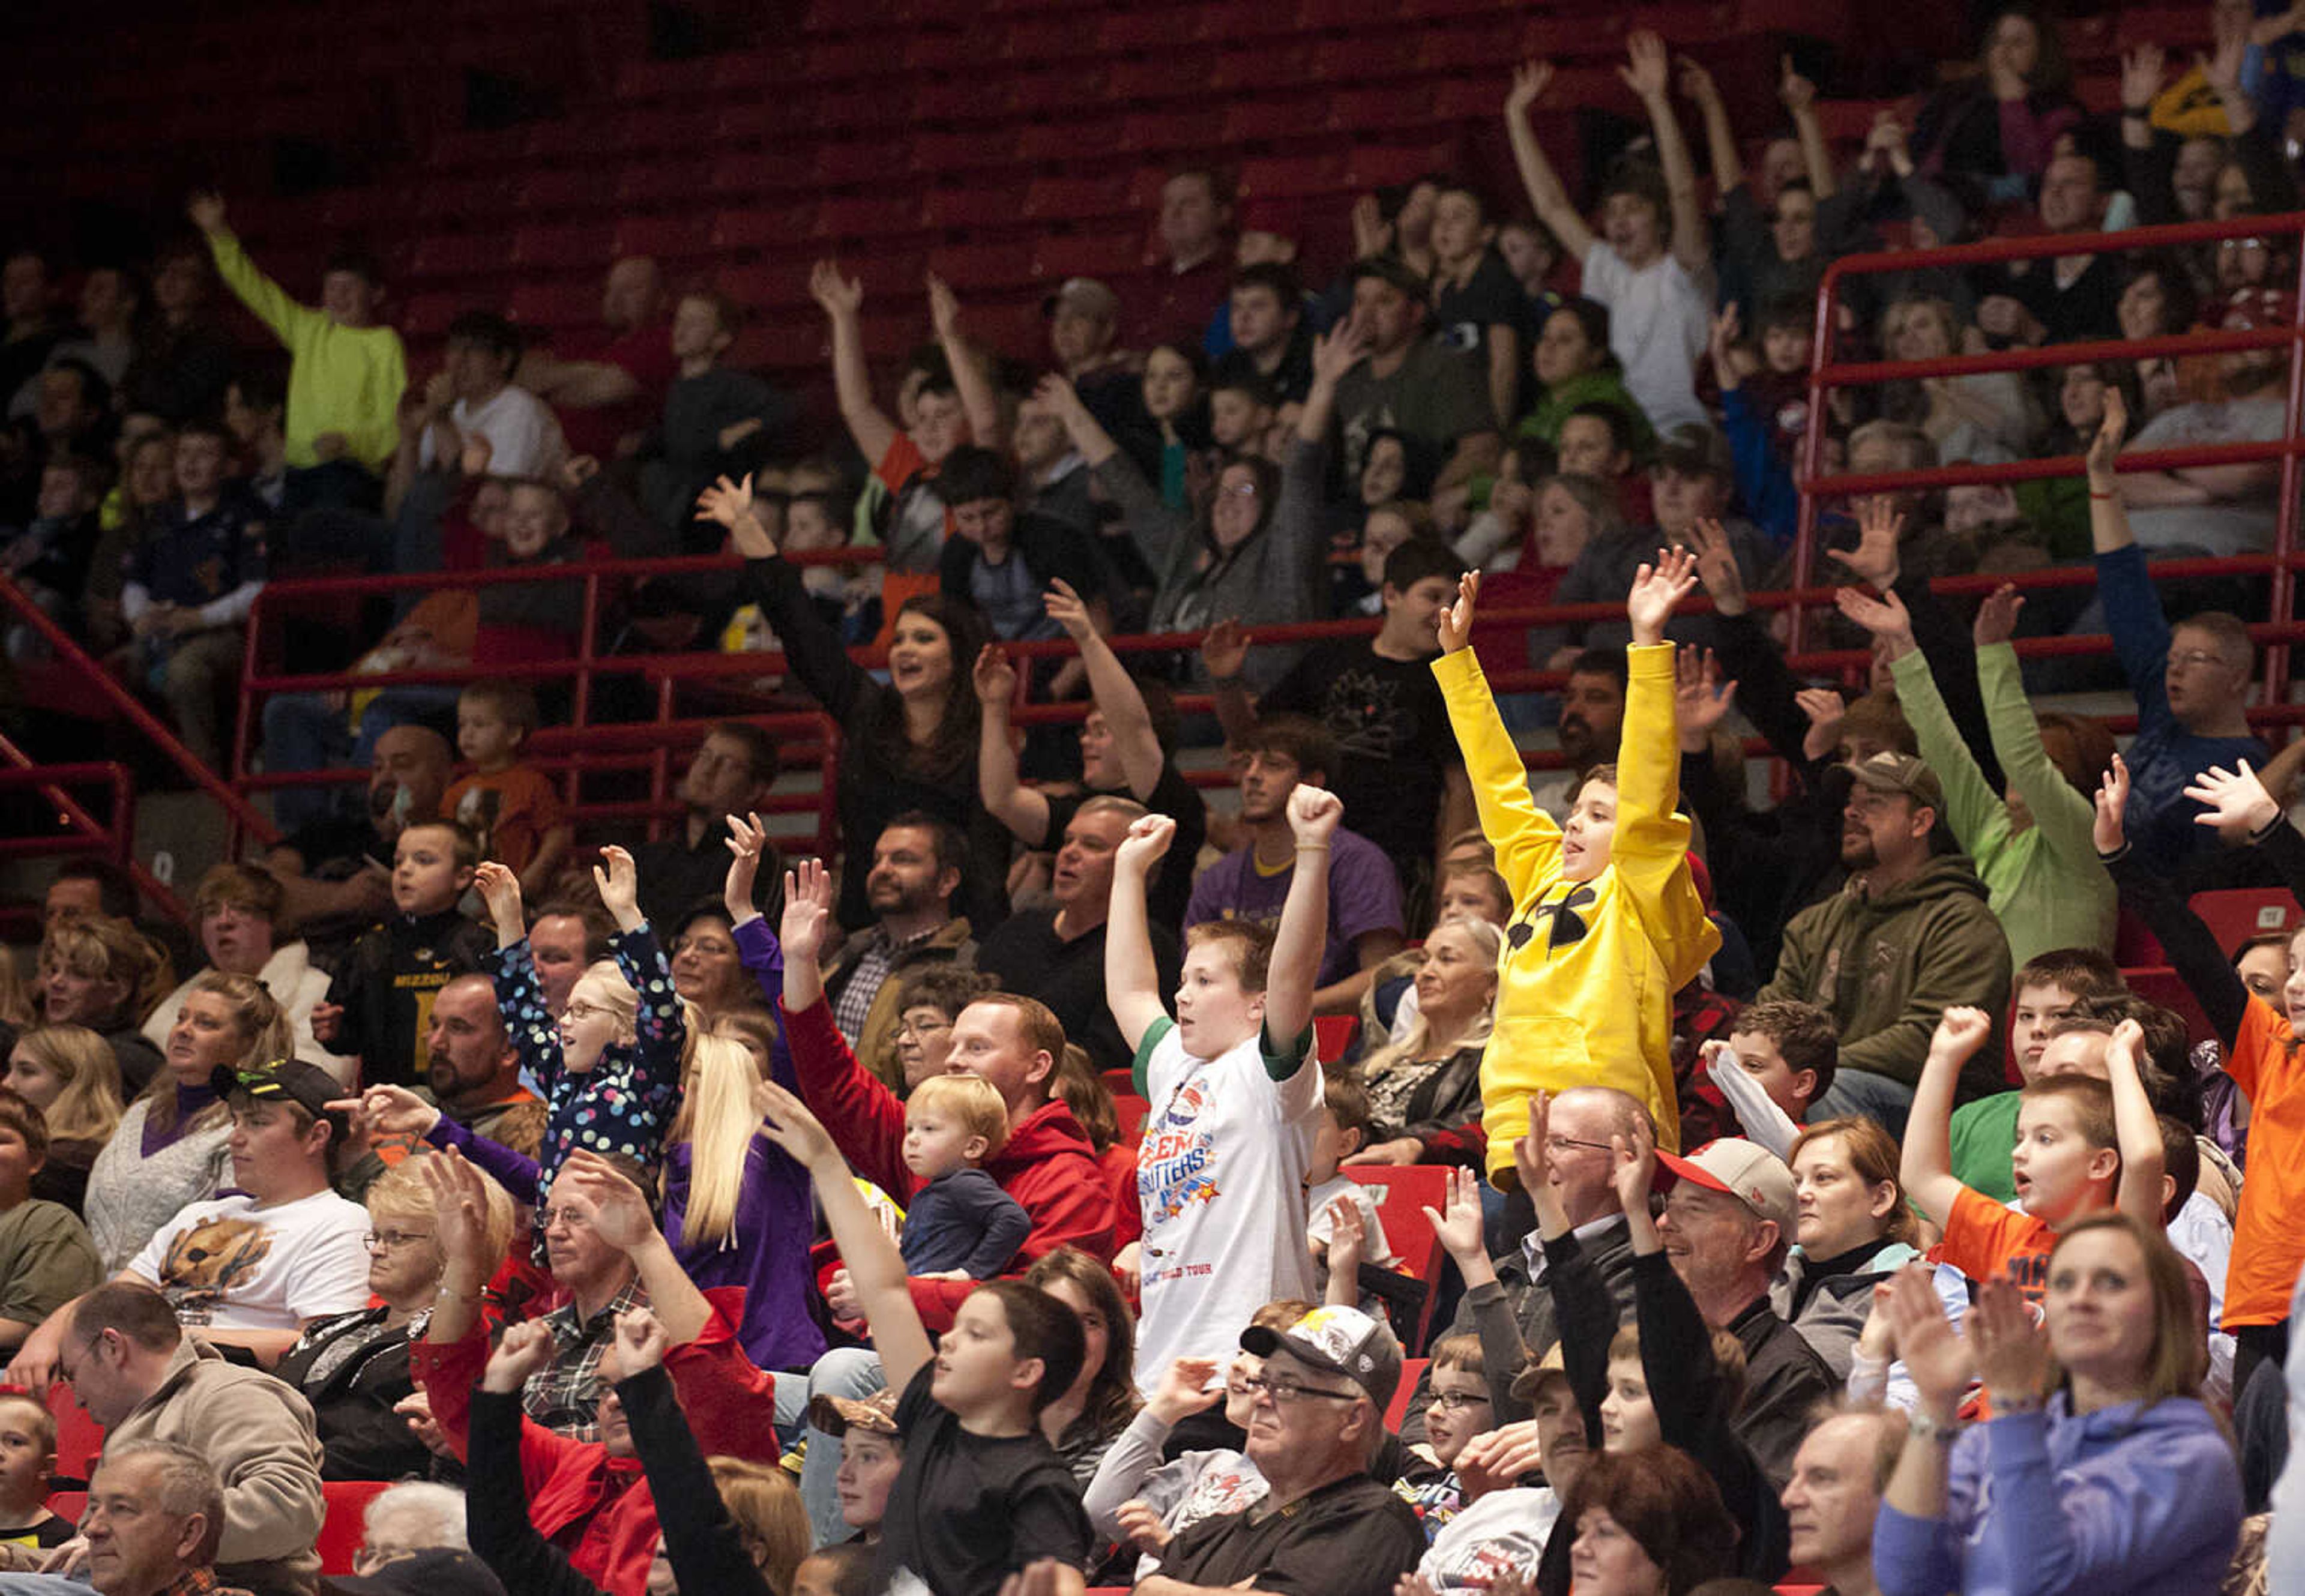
1825	709
2112	804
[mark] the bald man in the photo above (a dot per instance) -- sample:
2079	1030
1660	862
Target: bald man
336	870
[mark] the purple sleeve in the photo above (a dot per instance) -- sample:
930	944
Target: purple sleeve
1363	896
1913	1556
764	956
514	1172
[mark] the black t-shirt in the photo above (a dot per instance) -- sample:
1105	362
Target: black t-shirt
1352	1537
1291	380
1181	800
1030	958
1492	296
1394	745
968	1510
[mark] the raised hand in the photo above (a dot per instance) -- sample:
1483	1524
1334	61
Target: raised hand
993	677
639	1341
1961	1031
1940	1363
1886	617
1700	699
1224	649
1456	619
460	1207
1798	93
387	1113
1147	840
730	503
1725	327
2011	1350
748	843
1695	82
2112	804
2141	72
1347	1245
944	309
1717	567
205	209
1875	559
2104	448
2232	799
1314	814
1185	1389
1634	1176
499	889
619	884
1648	70
522	1352
1825	709
620	1213
1066	611
1372	234
1532	1154
1530	79
1657	590
1459	1226
791	1126
808	906
1996	617
837	295
1337	350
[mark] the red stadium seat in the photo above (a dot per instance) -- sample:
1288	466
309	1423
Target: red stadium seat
552	305
1131	1111
1071	199
342	1529
842	221
667	238
1332	1035
1402	1195
456	255
79	1437
961	210
1412	1370
2236	915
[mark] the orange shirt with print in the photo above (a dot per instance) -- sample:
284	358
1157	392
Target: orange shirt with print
1987	1242
2269	1243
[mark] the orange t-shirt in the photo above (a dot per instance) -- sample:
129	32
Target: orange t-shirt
1986	1241
2268	1243
509	812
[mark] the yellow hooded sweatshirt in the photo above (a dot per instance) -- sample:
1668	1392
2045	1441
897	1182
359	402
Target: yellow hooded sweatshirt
1584	993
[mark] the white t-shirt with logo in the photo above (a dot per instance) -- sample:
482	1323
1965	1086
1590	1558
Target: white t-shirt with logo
1220	1178
229	1265
1659	323
1503	1532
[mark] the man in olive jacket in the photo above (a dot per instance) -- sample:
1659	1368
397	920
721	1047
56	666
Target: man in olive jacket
1911	935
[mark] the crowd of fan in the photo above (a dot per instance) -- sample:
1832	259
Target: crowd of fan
1820	1200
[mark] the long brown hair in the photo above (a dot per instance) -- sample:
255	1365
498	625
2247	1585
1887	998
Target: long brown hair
2178	1358
1112	1399
88	1108
953	749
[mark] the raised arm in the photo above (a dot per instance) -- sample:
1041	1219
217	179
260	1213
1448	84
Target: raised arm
808	906
876	1269
1648	73
1132	982
620	1218
2063	815
265	299
2136	1131
1115	691
499	890
2231	798
811	648
1800	97
1926	1166
1526	839
1652	838
1697	86
1023	810
842	299
1542	183
972	377
1294	967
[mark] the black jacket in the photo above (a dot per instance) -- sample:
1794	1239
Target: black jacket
379	982
361	1436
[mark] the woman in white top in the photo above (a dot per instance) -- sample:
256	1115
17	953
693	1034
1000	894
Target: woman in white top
171	1146
238	906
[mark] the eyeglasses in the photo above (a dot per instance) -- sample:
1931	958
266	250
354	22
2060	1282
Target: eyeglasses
570	1218
581	1010
1239	491
1450	1401
1561	1144
920	1028
2193	658
1284	1392
387	1241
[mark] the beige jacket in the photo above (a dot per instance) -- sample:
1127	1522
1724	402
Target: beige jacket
256	1434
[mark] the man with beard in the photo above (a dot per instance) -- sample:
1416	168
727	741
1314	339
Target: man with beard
731	773
1910	936
1252	882
1057	954
1592	715
474	1071
914	879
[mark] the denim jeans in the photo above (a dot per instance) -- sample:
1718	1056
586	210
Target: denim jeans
1873	1097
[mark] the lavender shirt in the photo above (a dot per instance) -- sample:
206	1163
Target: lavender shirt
1363	896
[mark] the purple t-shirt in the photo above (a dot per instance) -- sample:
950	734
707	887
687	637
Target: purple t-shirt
1363	896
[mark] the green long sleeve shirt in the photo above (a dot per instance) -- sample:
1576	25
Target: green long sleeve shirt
344	379
2044	882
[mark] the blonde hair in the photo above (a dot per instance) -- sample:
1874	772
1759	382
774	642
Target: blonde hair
719	1114
400	1193
88	1108
265	1036
102	949
16	993
1408	1043
972	1099
765	1506
617	995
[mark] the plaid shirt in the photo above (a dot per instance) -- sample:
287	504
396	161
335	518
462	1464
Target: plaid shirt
197	1582
564	1396
862	982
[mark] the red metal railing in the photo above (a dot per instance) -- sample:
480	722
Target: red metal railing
1825	374
78	829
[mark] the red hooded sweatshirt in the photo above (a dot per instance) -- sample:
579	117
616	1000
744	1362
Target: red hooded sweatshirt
1047	1164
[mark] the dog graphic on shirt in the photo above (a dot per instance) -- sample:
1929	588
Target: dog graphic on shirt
206	1262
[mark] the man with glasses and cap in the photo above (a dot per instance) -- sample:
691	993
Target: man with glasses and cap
1325	1525
1910	936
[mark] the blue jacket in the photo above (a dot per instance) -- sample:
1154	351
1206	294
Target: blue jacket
2130	1499
2165	758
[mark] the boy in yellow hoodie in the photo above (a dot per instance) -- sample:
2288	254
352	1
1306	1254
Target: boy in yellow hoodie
1607	923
